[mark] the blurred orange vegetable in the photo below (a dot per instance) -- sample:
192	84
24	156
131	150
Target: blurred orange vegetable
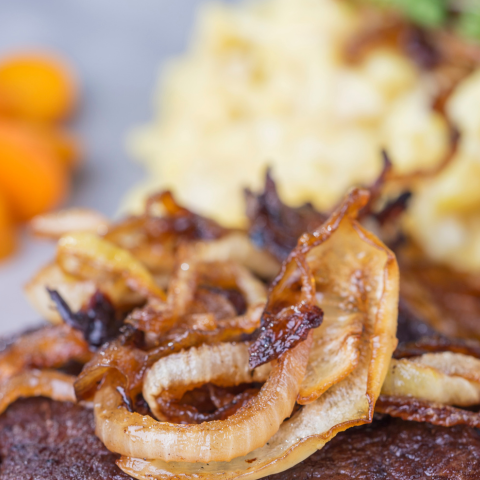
7	230
37	87
32	179
64	145
36	154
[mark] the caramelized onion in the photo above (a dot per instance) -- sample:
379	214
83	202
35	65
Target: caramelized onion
452	364
88	256
36	383
49	347
249	428
132	362
237	247
437	344
290	313
412	378
75	292
345	404
335	351
54	225
154	237
447	300
183	413
274	226
415	410
224	365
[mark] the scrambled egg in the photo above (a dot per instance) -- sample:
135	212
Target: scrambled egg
445	214
264	83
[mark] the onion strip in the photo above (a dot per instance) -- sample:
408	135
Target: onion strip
49	347
450	363
249	428
36	383
223	365
55	224
89	256
414	379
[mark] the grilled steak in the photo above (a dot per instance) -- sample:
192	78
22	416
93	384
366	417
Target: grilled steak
44	440
395	450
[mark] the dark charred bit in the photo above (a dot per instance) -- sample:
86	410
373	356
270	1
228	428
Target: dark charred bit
165	218
410	327
141	406
235	297
376	188
180	412
275	226
393	209
282	331
415	410
127	402
130	336
420	47
98	321
438	343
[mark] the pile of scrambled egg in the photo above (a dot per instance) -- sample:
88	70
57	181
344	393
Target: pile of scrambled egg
265	83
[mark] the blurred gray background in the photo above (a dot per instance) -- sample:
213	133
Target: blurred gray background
116	48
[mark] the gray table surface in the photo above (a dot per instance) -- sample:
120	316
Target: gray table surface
117	47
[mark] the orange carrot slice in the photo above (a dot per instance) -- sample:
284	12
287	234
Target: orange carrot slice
36	87
31	177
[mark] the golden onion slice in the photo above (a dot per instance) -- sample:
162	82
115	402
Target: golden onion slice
335	352
55	224
75	292
358	274
451	363
221	440
419	380
88	256
37	383
225	365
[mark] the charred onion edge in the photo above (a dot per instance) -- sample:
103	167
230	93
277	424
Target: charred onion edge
416	410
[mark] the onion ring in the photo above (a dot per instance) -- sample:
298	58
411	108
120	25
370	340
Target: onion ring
224	365
249	428
37	383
